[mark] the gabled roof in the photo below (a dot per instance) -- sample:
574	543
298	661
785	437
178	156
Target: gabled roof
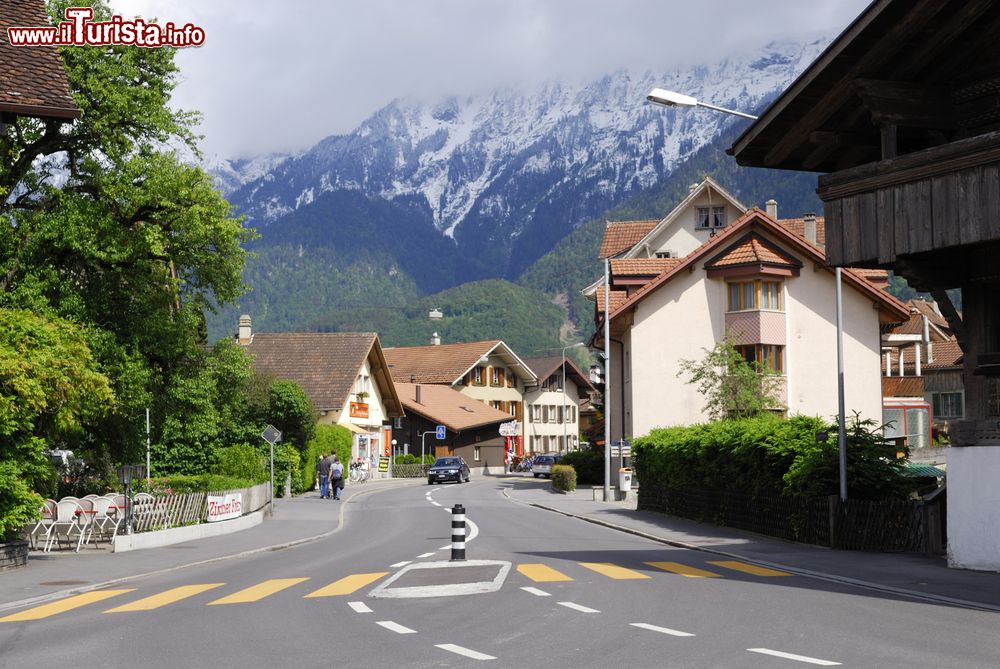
798	226
616	298
946	354
639	267
755	218
33	79
326	364
448	363
708	185
545	367
752	249
928	309
441	404
621	236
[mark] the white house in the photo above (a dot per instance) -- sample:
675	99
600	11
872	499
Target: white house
552	410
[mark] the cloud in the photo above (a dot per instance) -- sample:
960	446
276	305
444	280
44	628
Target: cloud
280	76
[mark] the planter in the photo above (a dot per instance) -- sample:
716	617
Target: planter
13	555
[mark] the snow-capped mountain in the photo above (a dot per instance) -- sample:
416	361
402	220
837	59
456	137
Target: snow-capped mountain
231	174
509	174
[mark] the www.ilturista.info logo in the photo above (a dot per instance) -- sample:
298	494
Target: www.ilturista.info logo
79	30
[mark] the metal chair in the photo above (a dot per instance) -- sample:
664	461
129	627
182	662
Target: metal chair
106	519
44	524
66	523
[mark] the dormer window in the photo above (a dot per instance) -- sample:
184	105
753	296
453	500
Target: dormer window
666	254
711	217
753	295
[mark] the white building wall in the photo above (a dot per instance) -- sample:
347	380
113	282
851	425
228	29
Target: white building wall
681	235
974	507
687	315
569	429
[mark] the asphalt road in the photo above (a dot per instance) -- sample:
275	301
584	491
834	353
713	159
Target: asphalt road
565	593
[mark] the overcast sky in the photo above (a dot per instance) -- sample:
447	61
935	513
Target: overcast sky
279	76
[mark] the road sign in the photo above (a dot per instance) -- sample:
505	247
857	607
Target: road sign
440	432
383	465
271	435
508	429
616	452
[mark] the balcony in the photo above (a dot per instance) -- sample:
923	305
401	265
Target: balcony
756	327
902	386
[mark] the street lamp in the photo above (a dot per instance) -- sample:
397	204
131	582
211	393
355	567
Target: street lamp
665	98
576	345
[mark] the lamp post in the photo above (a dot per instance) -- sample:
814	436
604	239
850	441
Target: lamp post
576	345
665	98
392	456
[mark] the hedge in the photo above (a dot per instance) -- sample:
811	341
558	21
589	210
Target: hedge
328	439
564	478
589	466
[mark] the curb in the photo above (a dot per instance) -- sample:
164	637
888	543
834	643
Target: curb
830	578
41	599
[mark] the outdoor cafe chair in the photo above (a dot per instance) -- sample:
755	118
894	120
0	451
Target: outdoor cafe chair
44	524
106	519
87	520
66	525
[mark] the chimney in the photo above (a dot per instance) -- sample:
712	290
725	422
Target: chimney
246	334
927	340
809	227
692	188
435	339
772	208
417	391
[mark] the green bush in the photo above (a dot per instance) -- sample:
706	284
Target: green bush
185	483
564	478
287	463
328	439
768	454
20	505
589	466
245	462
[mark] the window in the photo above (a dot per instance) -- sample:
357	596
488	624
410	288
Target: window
665	254
361	384
768	356
479	376
496	376
947	405
747	295
511	380
475	453
711	217
559	412
512	408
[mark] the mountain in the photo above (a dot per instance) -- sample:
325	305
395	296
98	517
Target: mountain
424	197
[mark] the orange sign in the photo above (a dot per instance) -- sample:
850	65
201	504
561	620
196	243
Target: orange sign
359	410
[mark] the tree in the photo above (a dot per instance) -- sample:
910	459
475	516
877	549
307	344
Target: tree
732	386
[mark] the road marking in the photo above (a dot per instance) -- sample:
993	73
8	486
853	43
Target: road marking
164	598
473	654
541	573
258	592
425	555
797	658
359	607
435	503
68	604
347	585
536	592
683	570
613	571
401	564
445	548
578	607
748	568
661	630
387	589
396	627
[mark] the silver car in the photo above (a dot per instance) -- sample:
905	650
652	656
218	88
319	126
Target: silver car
543	464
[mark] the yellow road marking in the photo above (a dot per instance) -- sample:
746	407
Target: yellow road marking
749	568
613	571
68	604
348	584
164	598
258	592
683	569
541	573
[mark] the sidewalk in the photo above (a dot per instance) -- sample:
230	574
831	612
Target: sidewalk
925	578
60	573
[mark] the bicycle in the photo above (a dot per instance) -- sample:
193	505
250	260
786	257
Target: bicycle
358	473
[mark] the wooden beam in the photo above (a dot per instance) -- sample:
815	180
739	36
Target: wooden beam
950	314
907	104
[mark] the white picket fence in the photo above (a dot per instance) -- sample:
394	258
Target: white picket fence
163	511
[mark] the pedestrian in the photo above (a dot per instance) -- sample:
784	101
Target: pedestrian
323	472
336	477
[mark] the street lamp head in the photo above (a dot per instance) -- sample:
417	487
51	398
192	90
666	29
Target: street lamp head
665	98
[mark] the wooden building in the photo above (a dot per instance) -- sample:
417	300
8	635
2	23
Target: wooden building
902	113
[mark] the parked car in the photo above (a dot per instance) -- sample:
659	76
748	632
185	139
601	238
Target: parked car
452	468
543	464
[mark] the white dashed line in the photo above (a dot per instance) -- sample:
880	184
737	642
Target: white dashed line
578	607
475	655
425	555
661	630
435	503
797	658
359	607
536	592
445	548
396	627
401	564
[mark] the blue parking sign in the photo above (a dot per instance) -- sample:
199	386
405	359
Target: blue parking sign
439	432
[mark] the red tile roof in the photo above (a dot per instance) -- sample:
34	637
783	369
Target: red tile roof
444	363
545	367
617	298
798	226
752	251
326	365
620	236
441	404
33	79
945	354
635	267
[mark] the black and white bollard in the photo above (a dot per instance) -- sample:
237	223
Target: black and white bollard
458	533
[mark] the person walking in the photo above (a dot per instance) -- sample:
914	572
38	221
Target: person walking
323	472
336	477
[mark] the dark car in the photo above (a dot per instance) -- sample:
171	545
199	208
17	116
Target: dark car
452	468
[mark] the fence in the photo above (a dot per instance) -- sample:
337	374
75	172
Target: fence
161	511
891	526
410	471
